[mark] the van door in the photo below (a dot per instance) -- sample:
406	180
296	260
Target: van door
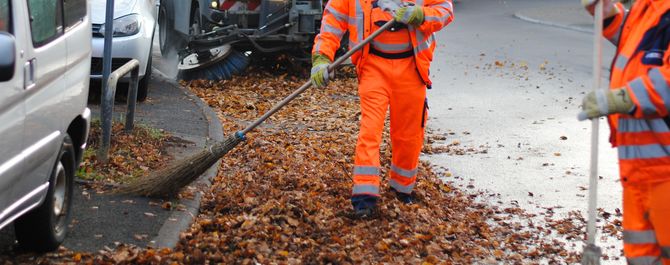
11	114
78	49
44	89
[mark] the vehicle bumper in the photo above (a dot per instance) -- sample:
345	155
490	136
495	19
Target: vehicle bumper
86	115
137	47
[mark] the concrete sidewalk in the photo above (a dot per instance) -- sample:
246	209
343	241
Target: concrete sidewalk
567	15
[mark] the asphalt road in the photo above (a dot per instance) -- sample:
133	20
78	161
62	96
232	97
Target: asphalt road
513	88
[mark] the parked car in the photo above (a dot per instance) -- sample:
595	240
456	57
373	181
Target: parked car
134	24
44	121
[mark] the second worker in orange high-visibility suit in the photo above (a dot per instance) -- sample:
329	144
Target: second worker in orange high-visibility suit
638	107
393	75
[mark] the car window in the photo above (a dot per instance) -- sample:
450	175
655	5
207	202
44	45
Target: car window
4	16
75	11
46	20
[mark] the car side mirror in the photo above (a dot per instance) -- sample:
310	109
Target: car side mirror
7	61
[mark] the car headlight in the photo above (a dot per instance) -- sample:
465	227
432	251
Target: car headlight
125	26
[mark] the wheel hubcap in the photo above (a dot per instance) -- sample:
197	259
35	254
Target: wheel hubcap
59	190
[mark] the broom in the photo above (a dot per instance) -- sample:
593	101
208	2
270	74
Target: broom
591	253
168	181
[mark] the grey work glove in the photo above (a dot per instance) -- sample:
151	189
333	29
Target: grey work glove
605	102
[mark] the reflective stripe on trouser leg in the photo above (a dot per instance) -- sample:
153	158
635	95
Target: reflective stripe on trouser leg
374	95
640	242
644	260
408	95
366	180
402	180
659	216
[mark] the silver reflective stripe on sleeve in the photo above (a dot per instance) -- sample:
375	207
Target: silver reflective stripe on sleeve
615	38
621	62
392	48
317	45
661	86
639	237
640	125
644	260
337	14
665	252
360	17
444	4
404	172
642	152
423	45
366	170
365	189
400	188
328	28
640	91
437	19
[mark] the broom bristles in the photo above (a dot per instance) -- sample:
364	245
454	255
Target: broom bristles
169	181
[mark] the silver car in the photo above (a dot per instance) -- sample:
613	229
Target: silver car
132	38
44	121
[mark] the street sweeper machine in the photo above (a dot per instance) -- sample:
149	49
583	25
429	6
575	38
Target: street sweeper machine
214	39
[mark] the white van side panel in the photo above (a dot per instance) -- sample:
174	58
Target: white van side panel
78	50
12	117
44	110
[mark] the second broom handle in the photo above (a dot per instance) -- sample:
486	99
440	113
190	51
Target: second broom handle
308	84
595	126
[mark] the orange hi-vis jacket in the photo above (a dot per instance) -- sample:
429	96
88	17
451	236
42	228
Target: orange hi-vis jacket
642	66
354	15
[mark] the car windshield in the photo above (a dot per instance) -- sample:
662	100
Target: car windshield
4	15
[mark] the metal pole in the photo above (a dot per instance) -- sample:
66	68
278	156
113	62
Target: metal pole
132	97
107	104
308	84
595	125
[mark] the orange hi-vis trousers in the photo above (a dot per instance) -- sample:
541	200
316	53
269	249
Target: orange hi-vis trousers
646	223
396	85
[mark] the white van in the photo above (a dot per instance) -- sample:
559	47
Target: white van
45	59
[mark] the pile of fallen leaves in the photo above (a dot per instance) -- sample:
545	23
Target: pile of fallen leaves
282	197
131	155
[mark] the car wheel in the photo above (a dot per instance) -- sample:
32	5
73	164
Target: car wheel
166	32
44	228
143	86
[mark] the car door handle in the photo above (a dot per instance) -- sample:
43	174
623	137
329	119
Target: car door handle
29	74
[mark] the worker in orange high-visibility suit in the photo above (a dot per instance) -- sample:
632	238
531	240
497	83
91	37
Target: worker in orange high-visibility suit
637	107
392	74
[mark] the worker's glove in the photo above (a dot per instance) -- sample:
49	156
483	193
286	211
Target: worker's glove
410	15
605	102
609	9
319	74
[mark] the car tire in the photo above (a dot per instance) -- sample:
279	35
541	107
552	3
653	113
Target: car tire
166	33
44	228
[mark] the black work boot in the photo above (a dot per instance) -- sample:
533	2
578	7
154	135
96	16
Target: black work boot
405	198
365	206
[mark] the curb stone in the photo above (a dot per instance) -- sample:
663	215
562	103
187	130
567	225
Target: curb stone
168	235
552	24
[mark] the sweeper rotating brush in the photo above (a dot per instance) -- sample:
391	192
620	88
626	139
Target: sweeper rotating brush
217	64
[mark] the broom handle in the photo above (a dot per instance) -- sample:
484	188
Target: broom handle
593	176
308	84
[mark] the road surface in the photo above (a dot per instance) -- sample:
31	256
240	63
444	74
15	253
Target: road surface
511	90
